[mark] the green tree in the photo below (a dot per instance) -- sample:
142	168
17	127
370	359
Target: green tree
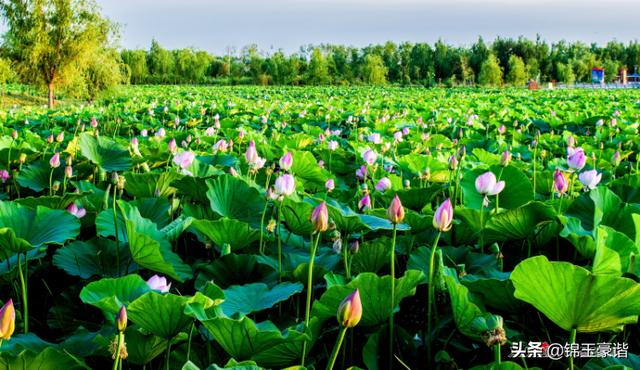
318	71
517	74
565	73
161	62
52	41
136	62
374	71
490	72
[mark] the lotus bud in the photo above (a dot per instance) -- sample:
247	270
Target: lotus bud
7	320
443	217
365	202
4	176
616	159
576	158
453	163
55	160
395	212
22	158
121	319
320	218
560	183
330	185
505	159
502	129
350	310
172	146
383	184
68	172
354	247
14	134
285	185
286	161
486	184
49	139
407	184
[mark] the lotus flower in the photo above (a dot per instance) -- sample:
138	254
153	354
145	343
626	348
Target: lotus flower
505	159
221	146
383	184
252	157
121	319
285	185
7	320
576	158
332	145
443	217
397	136
94	122
616	159
395	212
365	202
374	138
55	160
74	210
590	179
184	159
486	184
172	147
159	283
361	173
320	218
453	162
286	161
350	310
161	132
144	132
370	157
560	183
4	176
330	185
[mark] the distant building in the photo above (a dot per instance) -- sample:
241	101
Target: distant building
597	75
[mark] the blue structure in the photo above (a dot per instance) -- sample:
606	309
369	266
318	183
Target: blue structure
597	75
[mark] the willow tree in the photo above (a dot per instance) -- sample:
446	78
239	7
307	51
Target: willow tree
51	41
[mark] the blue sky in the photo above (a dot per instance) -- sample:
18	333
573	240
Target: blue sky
273	24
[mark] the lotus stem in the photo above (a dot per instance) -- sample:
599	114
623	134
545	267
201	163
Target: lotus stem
496	353
572	340
336	348
23	289
307	309
393	293
115	226
116	363
431	294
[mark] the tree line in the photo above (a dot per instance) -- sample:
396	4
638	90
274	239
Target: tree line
68	46
502	61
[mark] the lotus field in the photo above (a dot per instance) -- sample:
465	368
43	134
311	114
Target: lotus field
250	228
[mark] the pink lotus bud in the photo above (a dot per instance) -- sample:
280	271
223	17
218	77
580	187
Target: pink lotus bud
49	139
94	122
486	184
350	310
332	145
383	185
144	132
172	147
365	203
453	162
7	320
285	185
121	319
502	129
354	246
590	179
176	121
60	137
320	218
443	217
397	136
616	159
321	163
329	185
4	176
233	172
286	161
560	183
395	212
405	131
251	154
221	146
240	134
14	134
505	159
161	132
55	160
159	283
68	172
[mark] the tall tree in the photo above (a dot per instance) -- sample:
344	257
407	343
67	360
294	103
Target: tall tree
51	40
374	71
318	72
517	74
490	72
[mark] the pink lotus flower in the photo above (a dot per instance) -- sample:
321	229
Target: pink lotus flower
144	132
505	158
590	179
332	145
55	160
395	212
251	154
184	159
286	161
161	132
362	172
4	176
370	157
560	183
285	185
210	131
94	122
576	158
221	146
383	185
365	203
350	310
397	136
159	283
486	184
74	210
374	138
